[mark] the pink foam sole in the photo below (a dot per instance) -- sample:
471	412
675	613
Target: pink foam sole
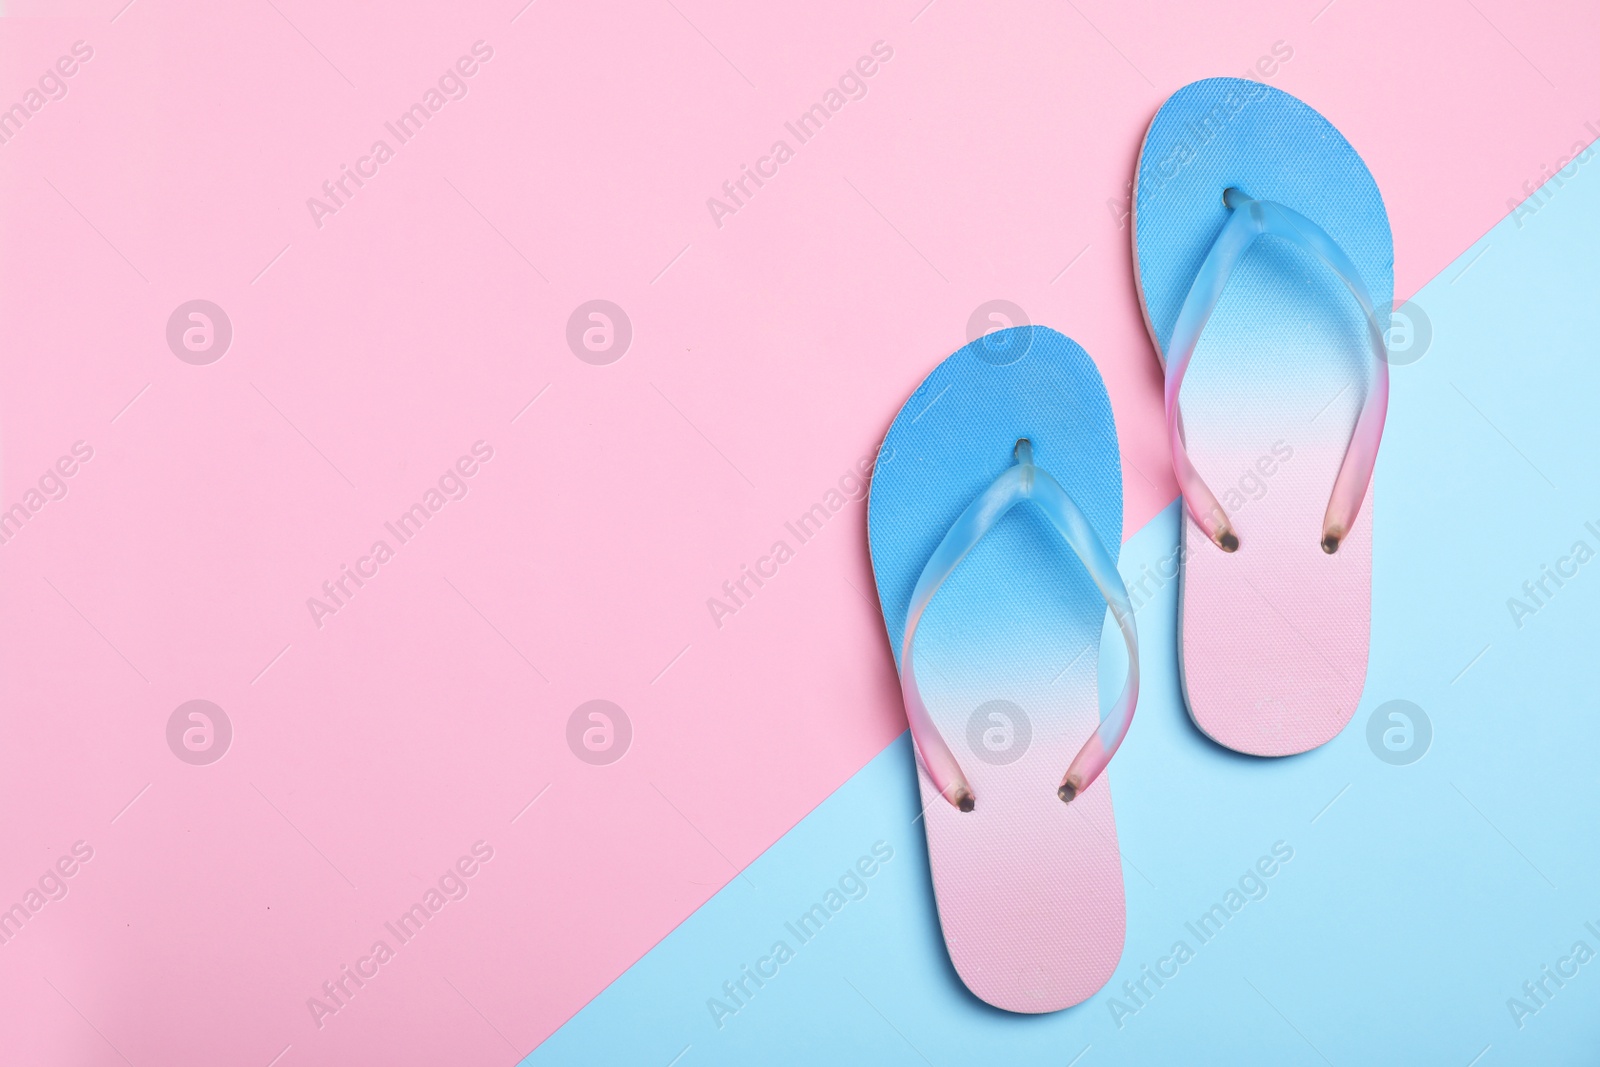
1274	637
1029	889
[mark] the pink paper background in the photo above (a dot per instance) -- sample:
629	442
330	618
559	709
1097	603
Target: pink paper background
768	356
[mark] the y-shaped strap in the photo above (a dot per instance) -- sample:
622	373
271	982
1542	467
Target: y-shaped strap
1021	482
1248	220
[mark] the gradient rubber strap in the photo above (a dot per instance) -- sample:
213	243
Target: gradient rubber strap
1018	483
1248	220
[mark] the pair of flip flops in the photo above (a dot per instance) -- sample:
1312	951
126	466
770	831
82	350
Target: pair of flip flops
995	529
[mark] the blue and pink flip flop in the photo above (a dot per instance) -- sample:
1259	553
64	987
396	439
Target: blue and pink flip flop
995	523
1265	268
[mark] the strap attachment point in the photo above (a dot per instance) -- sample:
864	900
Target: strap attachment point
1023	481
1250	218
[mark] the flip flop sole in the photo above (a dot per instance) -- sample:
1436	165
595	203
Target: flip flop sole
1274	637
1029	889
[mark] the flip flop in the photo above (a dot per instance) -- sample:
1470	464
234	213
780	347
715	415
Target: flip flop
995	518
1282	407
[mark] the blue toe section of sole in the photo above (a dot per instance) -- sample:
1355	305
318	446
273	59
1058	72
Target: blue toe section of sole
954	435
1227	132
